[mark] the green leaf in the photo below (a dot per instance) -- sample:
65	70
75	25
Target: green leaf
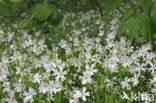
43	11
12	8
110	5
42	101
132	27
127	14
153	12
89	3
24	23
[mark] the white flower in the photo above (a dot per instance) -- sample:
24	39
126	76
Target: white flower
82	94
144	97
44	88
112	64
19	87
125	84
68	51
45	61
52	97
133	69
140	67
29	95
90	70
96	58
142	53
101	33
37	78
47	65
97	22
6	86
46	75
148	59
77	94
60	74
9	100
86	78
134	56
35	49
152	68
109	84
5	59
146	47
125	96
98	39
135	80
76	41
63	44
27	43
41	45
109	45
75	100
3	75
37	63
153	90
53	87
126	61
88	57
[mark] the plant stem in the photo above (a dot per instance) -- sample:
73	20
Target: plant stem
1	90
147	18
49	97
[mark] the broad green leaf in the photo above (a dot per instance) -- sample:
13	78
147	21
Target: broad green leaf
153	12
132	27
43	11
110	5
127	14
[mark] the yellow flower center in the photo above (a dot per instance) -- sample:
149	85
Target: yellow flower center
86	77
61	74
52	86
45	86
144	96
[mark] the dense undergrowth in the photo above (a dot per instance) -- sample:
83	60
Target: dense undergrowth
88	57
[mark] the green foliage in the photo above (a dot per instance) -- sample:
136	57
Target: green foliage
24	23
127	14
48	18
12	8
89	3
44	15
139	21
132	27
43	11
110	5
15	0
153	12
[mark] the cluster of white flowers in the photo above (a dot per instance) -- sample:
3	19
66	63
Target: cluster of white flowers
30	72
